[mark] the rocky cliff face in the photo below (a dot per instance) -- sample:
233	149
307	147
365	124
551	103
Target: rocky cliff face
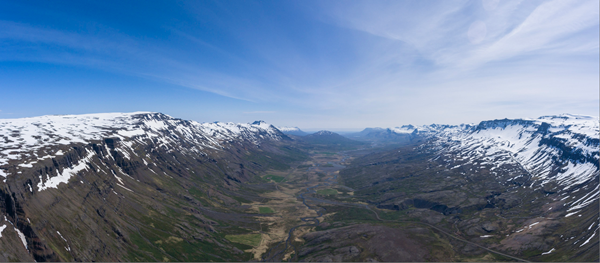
95	187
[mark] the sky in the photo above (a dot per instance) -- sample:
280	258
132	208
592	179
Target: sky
336	65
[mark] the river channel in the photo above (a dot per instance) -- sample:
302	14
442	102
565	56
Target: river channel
311	221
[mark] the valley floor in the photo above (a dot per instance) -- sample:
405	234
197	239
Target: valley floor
316	217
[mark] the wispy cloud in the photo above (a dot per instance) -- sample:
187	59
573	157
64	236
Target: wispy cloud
551	28
116	52
440	32
526	49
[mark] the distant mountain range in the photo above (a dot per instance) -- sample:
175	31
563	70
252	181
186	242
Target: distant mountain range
381	135
402	134
331	141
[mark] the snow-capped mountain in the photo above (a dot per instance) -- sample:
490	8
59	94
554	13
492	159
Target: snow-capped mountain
540	145
531	185
90	163
29	140
557	156
557	153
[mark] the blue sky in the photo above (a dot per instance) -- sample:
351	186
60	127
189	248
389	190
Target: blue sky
338	65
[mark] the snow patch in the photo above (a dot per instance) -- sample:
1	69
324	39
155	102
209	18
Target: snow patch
2	229
61	236
68	248
22	237
125	188
66	174
548	252
588	240
572	213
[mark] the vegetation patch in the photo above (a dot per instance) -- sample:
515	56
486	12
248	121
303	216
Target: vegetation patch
327	153
327	192
200	196
247	239
265	210
171	239
351	213
143	248
275	178
241	199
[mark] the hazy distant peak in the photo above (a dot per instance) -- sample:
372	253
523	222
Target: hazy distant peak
567	116
324	133
288	129
292	131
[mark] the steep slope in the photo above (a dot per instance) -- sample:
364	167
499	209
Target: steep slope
128	186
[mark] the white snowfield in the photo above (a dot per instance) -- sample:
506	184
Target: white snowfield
29	140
